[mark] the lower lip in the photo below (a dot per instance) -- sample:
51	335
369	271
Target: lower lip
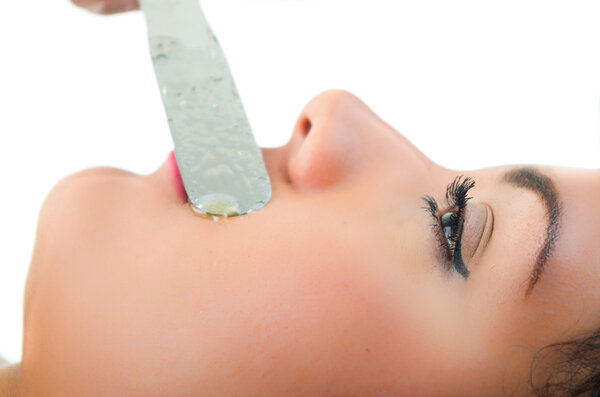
176	176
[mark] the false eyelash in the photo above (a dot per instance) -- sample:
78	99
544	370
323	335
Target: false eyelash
456	192
456	199
456	196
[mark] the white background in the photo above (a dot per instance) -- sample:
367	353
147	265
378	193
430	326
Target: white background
471	83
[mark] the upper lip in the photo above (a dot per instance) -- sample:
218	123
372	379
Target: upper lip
175	176
272	158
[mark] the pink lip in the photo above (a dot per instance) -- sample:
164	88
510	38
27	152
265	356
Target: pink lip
176	176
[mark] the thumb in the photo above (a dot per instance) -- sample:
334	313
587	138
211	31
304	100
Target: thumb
107	6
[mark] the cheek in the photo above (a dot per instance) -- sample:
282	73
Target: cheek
354	314
326	307
336	321
299	305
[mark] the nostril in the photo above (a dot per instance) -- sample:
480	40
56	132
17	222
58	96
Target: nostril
305	126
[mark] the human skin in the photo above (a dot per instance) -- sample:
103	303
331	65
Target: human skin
9	379
108	7
336	287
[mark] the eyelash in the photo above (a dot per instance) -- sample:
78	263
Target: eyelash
448	225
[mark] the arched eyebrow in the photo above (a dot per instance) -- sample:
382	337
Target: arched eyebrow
536	181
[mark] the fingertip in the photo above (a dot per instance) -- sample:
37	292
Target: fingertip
107	7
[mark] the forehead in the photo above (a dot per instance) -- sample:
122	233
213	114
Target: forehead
580	198
574	273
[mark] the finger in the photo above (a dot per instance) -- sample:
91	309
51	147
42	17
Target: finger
107	6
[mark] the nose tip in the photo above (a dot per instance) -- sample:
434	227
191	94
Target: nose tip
328	104
326	142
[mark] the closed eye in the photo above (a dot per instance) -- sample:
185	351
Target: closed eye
448	223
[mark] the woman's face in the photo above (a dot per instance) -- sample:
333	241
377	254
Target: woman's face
339	286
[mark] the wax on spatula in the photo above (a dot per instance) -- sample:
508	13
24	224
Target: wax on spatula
221	165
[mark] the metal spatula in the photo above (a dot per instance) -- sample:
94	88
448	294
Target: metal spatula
221	165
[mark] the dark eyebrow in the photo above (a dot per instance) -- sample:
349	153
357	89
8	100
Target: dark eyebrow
533	179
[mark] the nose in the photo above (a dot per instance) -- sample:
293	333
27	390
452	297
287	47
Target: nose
338	138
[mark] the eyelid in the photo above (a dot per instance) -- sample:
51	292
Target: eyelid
478	226
434	213
457	201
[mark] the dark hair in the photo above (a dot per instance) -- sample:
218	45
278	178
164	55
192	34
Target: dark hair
570	368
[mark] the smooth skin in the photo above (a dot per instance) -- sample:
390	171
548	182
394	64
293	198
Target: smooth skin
337	287
108	7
